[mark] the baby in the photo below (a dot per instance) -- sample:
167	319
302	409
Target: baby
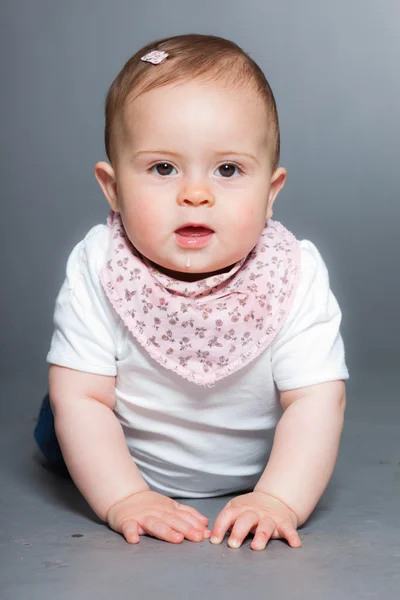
196	349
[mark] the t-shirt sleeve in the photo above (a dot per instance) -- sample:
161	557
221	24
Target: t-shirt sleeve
309	348
84	322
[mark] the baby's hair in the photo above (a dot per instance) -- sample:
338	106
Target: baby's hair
192	56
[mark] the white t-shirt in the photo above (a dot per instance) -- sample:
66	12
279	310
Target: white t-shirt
189	440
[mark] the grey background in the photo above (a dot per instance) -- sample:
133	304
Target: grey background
334	69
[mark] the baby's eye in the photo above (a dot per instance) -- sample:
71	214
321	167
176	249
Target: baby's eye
162	168
228	168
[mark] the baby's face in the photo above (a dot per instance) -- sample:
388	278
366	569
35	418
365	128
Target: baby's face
194	154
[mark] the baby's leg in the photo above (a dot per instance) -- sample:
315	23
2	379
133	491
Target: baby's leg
46	438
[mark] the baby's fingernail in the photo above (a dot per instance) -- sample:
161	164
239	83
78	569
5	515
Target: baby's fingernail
214	540
233	543
207	533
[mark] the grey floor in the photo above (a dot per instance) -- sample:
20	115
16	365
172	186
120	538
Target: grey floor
52	546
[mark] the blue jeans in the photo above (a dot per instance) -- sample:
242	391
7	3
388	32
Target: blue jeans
46	438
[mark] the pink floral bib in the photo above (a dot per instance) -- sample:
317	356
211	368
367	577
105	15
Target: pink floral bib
208	329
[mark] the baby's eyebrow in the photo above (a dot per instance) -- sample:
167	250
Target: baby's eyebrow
168	152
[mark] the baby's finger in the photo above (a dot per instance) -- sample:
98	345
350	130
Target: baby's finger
192	533
129	530
223	522
194	522
243	524
287	531
160	529
263	533
194	512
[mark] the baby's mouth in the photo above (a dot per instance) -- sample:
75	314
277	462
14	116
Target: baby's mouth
193	236
194	231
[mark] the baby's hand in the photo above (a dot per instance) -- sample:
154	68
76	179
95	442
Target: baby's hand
158	515
259	513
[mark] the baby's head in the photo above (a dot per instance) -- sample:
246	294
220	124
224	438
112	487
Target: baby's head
193	140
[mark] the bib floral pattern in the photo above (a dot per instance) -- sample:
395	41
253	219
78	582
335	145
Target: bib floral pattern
207	329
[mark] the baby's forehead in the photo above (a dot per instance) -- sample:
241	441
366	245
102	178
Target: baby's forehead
216	94
197	109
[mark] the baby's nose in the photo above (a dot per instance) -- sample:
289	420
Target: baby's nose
196	196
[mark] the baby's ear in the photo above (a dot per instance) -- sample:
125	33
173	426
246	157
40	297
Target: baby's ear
105	175
278	179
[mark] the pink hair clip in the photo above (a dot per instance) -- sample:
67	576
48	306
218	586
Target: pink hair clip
155	57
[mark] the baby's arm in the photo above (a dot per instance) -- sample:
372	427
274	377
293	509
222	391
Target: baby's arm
305	446
91	438
98	459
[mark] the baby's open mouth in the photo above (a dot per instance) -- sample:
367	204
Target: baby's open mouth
193	235
194	231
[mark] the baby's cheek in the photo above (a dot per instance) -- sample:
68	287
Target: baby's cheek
141	222
145	219
249	221
145	216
